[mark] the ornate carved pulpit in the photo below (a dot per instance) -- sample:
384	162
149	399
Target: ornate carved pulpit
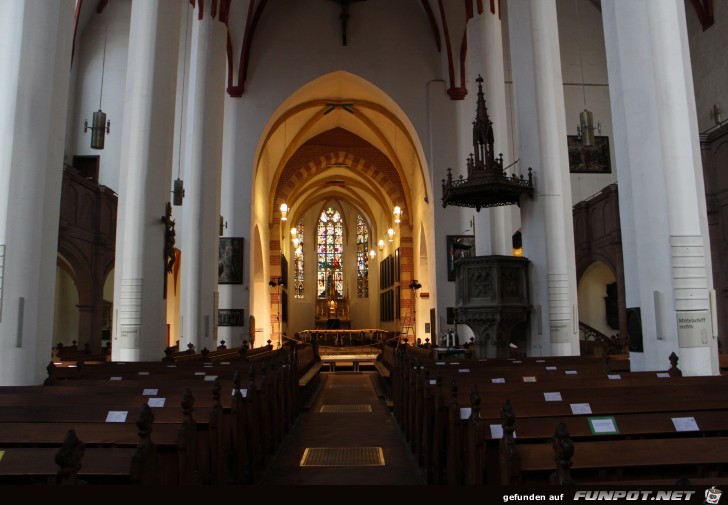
492	297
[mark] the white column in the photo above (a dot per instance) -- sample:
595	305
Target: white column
662	198
202	167
501	222
35	57
547	226
146	161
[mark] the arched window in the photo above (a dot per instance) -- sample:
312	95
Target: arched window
298	260
330	248
362	258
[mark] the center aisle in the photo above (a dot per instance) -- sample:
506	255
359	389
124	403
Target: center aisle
348	437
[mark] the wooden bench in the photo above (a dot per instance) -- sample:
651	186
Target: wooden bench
614	461
265	414
430	407
309	366
108	458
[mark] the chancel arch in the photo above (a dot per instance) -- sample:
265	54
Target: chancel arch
339	138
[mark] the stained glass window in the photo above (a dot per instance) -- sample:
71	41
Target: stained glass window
330	248
362	258
298	261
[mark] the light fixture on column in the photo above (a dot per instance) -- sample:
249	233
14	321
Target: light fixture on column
414	286
585	128
381	244
99	125
397	214
715	113
284	212
372	253
178	191
390	234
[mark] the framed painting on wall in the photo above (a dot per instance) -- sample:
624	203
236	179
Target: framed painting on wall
231	317
230	262
589	160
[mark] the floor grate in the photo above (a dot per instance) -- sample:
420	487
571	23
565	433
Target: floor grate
345	409
343	456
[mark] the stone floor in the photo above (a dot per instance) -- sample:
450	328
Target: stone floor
351	437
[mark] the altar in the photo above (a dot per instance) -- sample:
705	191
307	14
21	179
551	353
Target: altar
332	312
332	324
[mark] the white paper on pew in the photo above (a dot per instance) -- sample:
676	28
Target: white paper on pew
199	373
224	362
171	366
433	382
604	426
440	363
58	362
685	424
455	363
550	368
210	377
72	366
580	408
614	377
150	392
465	412
498	380
552	397
570	372
115	378
530	378
156	402
116	416
496	431
540	361
464	370
663	374
143	373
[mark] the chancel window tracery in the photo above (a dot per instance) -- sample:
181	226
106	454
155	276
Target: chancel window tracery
330	250
298	277
362	258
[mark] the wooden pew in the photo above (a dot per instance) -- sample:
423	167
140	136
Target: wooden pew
653	460
437	434
272	383
89	392
143	461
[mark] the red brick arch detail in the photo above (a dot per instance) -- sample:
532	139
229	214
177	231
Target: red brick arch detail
289	180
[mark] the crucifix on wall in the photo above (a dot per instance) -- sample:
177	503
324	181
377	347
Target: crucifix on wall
344	16
169	241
